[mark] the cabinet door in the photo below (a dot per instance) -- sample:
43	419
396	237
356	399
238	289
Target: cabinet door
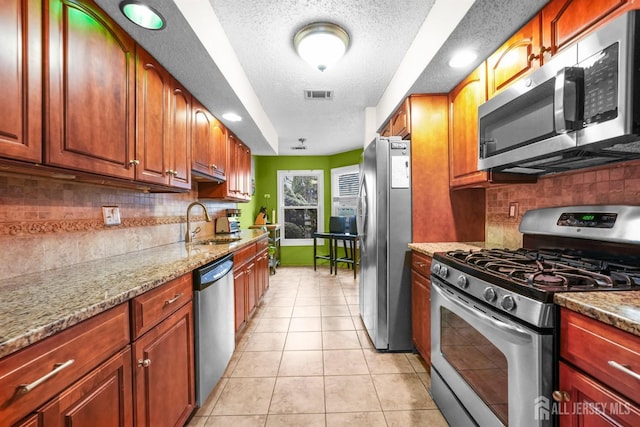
21	74
233	183
421	314
245	170
516	57
386	130
401	120
219	150
153	86
251	293
592	404
180	136
201	146
463	132
163	372
90	104
239	285
563	21
101	399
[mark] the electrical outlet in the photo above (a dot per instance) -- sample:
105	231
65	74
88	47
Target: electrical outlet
513	210
267	196
111	215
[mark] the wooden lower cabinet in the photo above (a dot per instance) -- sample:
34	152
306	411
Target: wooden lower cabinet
250	279
421	304
591	391
591	403
101	399
163	372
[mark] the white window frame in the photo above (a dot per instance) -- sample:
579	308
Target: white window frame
335	176
319	174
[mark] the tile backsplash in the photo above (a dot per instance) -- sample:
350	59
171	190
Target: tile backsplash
47	223
618	184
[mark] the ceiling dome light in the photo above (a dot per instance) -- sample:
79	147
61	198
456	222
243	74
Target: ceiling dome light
232	117
321	44
462	59
142	15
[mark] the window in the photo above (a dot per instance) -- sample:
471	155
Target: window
300	203
344	190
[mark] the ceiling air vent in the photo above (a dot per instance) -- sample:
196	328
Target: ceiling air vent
318	94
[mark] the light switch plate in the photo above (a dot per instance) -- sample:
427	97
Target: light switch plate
111	215
513	210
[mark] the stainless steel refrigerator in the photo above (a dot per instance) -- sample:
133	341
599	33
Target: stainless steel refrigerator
384	229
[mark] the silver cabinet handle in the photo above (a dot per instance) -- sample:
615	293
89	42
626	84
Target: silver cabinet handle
144	363
26	388
174	299
624	369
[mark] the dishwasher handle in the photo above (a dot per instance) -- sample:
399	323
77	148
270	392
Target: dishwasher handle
209	274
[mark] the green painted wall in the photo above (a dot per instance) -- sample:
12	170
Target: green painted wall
266	168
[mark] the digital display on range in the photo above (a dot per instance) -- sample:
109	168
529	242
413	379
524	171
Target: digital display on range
587	219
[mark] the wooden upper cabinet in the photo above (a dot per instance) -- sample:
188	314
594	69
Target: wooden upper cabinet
386	130
219	149
153	86
563	21
464	100
237	186
208	145
21	73
201	124
516	57
90	78
163	117
180	136
401	120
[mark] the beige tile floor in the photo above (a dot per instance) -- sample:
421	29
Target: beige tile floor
304	359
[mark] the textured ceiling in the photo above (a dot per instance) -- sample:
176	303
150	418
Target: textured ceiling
261	32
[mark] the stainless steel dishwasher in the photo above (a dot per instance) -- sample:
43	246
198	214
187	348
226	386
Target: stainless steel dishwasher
214	323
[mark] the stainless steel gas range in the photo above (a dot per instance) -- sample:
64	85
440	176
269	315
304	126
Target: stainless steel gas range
493	321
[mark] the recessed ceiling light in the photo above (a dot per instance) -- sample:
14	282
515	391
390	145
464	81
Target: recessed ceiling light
321	44
142	15
232	117
462	58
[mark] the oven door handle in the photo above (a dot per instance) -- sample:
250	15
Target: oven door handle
511	330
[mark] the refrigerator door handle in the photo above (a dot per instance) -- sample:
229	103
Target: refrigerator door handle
362	211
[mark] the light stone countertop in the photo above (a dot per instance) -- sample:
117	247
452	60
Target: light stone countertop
616	308
36	306
430	248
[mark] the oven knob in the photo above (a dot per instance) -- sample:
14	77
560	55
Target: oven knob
462	281
508	303
436	269
489	294
444	272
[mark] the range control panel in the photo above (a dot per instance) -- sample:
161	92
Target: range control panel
587	219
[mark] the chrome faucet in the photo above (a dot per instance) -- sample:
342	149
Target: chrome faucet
188	237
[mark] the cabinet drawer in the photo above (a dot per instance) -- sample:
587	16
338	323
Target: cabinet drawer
59	361
592	345
150	308
262	244
241	256
421	263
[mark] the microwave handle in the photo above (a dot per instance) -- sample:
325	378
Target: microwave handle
568	105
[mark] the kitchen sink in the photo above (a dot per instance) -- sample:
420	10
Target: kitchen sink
219	241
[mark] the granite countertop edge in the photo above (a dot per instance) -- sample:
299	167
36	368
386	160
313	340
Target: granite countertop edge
39	305
620	309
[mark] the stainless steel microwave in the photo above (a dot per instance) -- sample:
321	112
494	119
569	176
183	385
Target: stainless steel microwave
580	109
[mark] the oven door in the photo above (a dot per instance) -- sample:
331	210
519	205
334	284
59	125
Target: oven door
499	371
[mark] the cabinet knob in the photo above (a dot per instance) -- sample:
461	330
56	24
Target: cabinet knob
134	162
213	166
144	363
543	50
561	396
